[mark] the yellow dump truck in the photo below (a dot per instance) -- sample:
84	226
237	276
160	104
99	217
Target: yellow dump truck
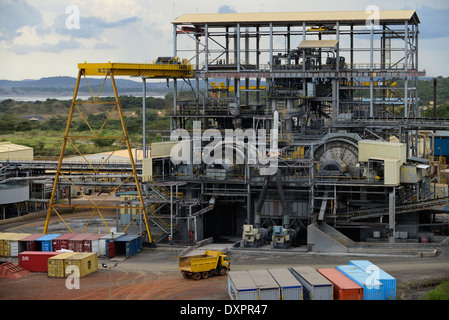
202	266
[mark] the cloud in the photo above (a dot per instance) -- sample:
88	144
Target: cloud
226	9
434	22
15	14
90	27
60	46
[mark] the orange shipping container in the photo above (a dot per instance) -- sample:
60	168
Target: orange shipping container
344	288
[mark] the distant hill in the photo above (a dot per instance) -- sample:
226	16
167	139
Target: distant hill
67	84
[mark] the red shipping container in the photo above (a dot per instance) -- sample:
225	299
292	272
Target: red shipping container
344	288
30	241
35	261
76	243
62	242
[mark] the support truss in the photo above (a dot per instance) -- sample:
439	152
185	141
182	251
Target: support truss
96	170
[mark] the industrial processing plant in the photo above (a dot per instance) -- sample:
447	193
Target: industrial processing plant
300	129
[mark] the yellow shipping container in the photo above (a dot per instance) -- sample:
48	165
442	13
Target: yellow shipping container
3	235
56	264
86	263
5	244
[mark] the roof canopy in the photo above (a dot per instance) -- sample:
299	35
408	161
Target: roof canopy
323	44
292	18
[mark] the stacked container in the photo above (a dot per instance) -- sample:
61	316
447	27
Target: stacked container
62	242
9	244
267	287
85	263
128	245
389	283
77	243
56	265
106	245
372	289
91	243
241	286
290	287
30	243
46	242
315	286
4	237
16	245
344	288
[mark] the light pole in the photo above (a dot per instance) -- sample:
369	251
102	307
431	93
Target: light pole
104	265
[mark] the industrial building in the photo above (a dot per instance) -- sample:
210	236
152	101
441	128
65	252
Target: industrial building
303	128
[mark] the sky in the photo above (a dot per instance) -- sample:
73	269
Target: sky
44	38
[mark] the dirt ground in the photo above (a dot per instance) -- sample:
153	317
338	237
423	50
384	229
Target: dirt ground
153	273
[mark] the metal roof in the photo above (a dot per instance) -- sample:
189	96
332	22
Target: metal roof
11	147
325	44
357	17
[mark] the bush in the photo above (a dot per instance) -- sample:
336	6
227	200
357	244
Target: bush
441	292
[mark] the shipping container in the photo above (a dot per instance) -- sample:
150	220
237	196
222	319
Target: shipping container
62	242
389	282
35	261
372	289
46	242
4	243
241	286
344	288
290	287
85	263
267	287
76	243
30	243
91	243
106	245
16	246
128	245
314	285
9	245
56	265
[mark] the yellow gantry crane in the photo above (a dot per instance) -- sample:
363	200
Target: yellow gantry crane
166	68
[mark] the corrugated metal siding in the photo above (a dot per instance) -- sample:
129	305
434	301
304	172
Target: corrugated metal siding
56	265
344	288
389	282
46	242
85	262
241	286
268	288
372	289
294	17
315	286
290	287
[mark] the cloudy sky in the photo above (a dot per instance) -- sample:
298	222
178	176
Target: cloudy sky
43	38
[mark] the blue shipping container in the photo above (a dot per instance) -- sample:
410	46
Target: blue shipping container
46	242
387	280
372	289
129	245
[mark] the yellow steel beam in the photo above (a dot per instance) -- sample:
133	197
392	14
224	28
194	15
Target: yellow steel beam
151	70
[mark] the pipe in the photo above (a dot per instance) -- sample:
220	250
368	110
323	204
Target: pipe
260	202
285	206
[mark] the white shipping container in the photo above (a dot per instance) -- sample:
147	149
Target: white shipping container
267	287
290	287
16	245
315	286
102	242
241	286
